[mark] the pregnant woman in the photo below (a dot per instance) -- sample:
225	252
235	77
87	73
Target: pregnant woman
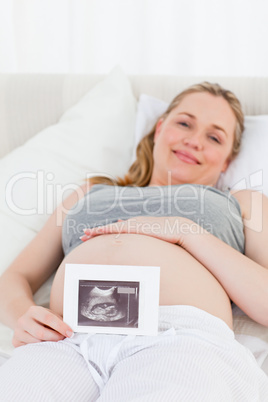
166	212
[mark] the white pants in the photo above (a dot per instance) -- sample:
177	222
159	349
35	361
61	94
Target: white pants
195	357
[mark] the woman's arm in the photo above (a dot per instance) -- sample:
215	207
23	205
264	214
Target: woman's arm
244	277
26	274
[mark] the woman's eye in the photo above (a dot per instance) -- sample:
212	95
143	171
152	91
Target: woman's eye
184	124
216	139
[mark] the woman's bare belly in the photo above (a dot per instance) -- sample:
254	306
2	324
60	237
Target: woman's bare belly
183	280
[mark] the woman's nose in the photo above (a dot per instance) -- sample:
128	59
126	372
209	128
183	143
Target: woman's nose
194	140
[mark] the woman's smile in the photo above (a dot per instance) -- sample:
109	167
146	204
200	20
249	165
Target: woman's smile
187	157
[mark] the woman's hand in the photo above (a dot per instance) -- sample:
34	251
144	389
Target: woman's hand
40	324
169	229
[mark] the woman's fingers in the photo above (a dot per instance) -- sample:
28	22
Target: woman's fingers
85	238
20	337
40	324
51	320
163	228
39	334
117	227
43	333
139	225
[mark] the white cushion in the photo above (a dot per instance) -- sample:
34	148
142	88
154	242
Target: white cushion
249	170
96	135
149	109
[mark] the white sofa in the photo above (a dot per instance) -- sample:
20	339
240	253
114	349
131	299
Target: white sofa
31	103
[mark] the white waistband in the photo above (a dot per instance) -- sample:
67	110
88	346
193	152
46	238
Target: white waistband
190	317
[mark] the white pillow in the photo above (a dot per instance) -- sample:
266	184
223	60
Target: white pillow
96	135
248	170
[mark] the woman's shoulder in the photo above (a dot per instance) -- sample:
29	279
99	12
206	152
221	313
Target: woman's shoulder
250	200
72	199
78	193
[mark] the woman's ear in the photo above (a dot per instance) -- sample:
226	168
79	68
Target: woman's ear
158	128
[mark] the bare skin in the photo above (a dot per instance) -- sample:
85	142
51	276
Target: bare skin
183	279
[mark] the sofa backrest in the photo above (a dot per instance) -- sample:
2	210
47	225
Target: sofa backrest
32	102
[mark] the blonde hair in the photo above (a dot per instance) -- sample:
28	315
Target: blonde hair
140	172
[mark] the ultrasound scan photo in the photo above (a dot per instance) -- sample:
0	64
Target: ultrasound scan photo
108	303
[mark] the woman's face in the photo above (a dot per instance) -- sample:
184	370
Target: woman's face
194	142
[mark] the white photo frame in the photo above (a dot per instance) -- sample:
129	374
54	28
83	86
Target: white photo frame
115	299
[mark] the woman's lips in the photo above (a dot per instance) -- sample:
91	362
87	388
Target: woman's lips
187	157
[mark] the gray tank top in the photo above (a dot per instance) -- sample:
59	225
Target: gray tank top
216	211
